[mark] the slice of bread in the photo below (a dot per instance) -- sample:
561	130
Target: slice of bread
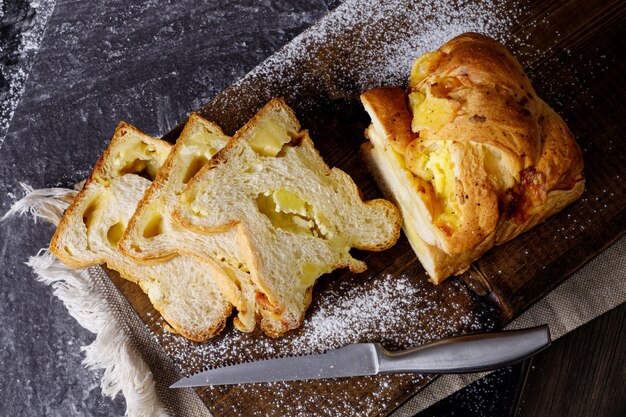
152	234
298	219
183	290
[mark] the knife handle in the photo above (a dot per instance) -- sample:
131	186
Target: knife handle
471	353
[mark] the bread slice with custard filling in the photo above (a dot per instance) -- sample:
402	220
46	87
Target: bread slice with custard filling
298	219
152	234
182	289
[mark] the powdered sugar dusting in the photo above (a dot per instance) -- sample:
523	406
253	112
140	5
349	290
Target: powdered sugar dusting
346	314
387	36
398	312
15	69
359	46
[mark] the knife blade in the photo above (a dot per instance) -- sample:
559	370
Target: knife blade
461	354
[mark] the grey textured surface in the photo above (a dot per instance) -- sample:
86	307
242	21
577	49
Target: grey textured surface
23	25
148	63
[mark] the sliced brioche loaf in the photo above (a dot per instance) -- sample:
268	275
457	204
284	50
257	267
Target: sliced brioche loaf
152	234
472	155
182	290
298	219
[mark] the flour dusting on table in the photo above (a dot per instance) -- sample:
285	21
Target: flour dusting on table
19	46
398	312
368	44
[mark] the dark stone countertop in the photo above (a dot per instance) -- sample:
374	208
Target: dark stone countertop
149	63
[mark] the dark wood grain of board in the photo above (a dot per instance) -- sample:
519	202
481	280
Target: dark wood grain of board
580	375
561	44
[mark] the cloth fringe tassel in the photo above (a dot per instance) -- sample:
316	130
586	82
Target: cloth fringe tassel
112	350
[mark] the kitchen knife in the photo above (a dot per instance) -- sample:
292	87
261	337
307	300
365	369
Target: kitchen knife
470	353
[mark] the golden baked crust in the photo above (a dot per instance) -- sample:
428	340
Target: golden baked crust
488	157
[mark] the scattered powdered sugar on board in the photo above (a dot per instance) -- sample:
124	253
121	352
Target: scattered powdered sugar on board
358	46
17	52
346	314
385	37
397	311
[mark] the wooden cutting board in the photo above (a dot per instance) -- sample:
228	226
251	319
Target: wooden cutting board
573	52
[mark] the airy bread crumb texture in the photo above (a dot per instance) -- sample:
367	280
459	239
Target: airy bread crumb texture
152	234
297	218
213	222
183	290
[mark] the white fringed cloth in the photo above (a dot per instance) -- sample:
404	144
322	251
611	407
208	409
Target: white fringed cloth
133	363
